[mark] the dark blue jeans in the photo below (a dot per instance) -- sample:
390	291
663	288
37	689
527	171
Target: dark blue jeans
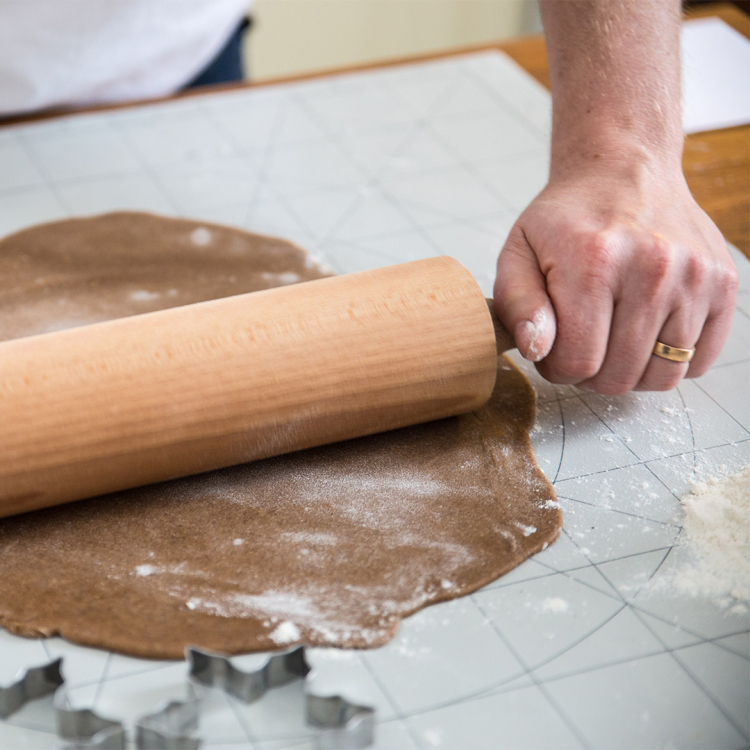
226	67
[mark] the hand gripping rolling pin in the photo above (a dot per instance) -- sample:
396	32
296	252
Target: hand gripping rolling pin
128	402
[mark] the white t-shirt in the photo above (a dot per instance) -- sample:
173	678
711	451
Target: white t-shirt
79	52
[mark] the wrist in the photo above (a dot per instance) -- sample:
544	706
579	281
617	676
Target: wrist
615	152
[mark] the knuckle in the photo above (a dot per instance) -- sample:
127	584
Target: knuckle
697	269
578	370
729	280
660	260
600	258
601	244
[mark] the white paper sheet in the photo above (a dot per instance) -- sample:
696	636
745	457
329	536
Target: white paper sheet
715	76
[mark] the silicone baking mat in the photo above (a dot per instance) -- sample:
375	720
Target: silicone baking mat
590	643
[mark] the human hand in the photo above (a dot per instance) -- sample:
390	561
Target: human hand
609	258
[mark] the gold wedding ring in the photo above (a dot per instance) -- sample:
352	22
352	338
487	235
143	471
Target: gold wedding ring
673	353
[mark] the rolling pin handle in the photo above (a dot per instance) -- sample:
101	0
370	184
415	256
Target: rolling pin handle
503	338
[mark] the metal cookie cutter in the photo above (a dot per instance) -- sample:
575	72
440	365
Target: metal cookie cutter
217	670
170	727
341	725
84	728
32	684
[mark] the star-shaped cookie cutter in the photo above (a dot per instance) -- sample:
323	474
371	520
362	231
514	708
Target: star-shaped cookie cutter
169	727
29	685
339	723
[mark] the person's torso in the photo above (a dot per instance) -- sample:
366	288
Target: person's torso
79	52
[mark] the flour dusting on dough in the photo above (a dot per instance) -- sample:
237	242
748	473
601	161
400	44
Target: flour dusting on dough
201	236
142	295
331	547
286	632
526	530
281	279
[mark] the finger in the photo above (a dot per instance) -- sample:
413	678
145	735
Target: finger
583	305
711	341
682	329
634	330
521	300
703	321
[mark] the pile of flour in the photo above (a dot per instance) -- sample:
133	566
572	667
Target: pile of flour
717	528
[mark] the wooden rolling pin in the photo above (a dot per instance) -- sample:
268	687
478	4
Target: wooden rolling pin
153	397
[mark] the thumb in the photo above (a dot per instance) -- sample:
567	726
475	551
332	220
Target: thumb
521	300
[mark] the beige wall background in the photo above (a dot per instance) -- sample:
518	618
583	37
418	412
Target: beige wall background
300	36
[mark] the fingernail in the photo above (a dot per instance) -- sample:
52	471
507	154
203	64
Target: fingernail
531	335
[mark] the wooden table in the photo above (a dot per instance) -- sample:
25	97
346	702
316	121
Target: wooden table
716	163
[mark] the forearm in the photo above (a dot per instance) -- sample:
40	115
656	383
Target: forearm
615	79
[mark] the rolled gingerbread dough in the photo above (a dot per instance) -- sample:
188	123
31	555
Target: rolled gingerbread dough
330	546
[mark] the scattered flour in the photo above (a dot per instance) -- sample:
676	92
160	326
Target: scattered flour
201	236
286	632
526	530
554	605
535	329
146	571
434	737
275	604
310	537
141	295
717	527
281	279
